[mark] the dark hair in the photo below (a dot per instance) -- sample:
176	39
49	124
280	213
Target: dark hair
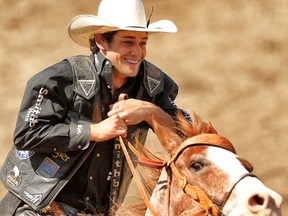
108	37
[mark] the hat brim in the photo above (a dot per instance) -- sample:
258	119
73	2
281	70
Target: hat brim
81	28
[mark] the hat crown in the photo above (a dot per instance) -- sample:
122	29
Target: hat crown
115	15
123	13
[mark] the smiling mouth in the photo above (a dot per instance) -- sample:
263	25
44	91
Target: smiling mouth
131	61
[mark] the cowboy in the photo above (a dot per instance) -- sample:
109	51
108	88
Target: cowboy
66	157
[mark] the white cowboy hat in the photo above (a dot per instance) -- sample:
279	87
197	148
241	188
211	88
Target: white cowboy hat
115	15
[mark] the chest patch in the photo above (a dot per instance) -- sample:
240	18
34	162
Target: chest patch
153	84
86	85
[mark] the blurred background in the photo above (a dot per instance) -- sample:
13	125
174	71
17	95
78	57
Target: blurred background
229	57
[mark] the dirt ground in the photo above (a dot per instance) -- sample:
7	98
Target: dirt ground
229	57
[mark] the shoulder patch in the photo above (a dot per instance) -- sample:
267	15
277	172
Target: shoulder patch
21	154
154	79
87	86
153	84
85	77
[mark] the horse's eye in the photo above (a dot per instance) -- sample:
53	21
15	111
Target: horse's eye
196	166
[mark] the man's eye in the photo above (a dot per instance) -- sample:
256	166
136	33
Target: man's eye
143	44
128	42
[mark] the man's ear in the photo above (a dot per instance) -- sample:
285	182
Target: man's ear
100	42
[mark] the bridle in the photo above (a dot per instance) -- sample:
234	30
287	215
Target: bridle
211	206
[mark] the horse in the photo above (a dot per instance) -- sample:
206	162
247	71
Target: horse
203	175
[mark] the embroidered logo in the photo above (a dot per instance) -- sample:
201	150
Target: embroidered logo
37	108
62	156
13	177
48	168
28	114
153	84
33	198
116	170
21	154
79	129
86	85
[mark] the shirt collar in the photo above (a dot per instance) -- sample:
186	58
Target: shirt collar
103	67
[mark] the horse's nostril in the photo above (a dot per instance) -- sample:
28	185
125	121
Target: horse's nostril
259	200
256	200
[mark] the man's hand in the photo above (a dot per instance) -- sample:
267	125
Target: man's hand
134	111
109	128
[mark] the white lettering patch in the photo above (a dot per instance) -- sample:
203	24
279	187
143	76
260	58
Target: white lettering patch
13	177
79	129
21	154
33	198
34	113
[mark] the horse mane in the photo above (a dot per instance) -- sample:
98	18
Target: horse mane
185	129
196	127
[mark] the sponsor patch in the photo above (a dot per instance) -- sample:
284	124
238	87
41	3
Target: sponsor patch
86	85
33	114
153	84
48	168
28	114
33	198
13	177
79	129
21	154
62	156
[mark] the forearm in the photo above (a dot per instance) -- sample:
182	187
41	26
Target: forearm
50	138
134	111
153	112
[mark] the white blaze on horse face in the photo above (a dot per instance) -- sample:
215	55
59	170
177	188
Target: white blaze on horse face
226	161
158	197
250	196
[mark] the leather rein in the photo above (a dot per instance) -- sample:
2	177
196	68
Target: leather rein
211	207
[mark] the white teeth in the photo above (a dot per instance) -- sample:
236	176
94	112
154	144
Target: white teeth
132	61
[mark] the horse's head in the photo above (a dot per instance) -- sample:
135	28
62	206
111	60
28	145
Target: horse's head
206	175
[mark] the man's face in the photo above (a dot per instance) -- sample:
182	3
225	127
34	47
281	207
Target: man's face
126	52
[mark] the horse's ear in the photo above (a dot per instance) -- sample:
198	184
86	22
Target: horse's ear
246	164
168	138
